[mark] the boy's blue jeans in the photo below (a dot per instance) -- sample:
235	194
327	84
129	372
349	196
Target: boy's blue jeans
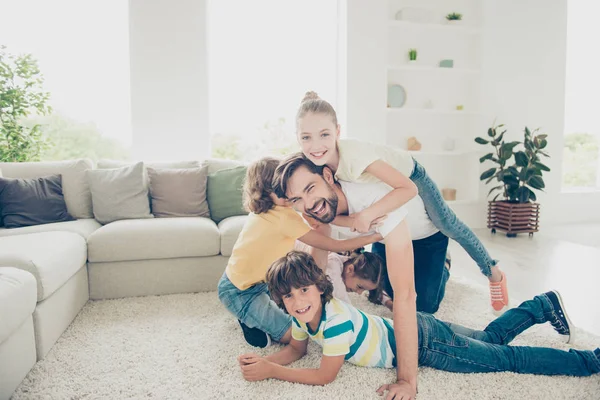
451	347
446	221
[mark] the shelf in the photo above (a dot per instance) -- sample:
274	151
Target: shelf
445	28
461	202
432	111
445	153
428	68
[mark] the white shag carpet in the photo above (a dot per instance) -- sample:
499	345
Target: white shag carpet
185	347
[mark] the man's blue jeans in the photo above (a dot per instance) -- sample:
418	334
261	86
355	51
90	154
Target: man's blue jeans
430	273
451	347
447	222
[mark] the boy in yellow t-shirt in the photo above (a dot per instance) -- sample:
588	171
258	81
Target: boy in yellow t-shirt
269	233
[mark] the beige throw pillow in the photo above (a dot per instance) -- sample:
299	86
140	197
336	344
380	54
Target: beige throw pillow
178	192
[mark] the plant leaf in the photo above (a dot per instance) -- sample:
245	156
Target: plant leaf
521	159
542	166
481	140
487	174
495	197
488	156
536	182
491	132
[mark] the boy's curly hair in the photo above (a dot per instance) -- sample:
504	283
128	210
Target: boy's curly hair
257	185
295	270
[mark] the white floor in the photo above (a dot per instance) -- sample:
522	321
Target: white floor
563	257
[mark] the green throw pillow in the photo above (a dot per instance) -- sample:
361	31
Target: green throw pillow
224	193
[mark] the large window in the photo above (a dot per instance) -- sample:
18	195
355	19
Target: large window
82	48
263	56
581	164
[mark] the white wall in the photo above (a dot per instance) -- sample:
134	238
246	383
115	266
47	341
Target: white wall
169	79
524	62
366	46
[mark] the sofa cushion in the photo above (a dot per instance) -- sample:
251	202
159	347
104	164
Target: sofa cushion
218	164
119	193
230	229
224	193
34	201
18	297
52	257
74	182
159	238
178	192
110	164
83	227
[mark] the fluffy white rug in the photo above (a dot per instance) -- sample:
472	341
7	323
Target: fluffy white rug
185	347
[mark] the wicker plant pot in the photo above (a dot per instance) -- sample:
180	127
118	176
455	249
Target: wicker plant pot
513	218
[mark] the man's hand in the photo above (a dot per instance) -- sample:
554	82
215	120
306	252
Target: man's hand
255	368
401	390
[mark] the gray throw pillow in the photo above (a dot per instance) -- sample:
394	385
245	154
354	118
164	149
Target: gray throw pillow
119	193
27	202
178	192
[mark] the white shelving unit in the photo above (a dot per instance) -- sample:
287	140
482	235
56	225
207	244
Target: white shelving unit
433	93
429	68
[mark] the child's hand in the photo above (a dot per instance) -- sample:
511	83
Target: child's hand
256	369
244	358
363	223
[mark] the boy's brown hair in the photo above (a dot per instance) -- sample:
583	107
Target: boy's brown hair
295	270
257	185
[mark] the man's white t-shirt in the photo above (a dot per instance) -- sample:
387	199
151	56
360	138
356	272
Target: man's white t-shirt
362	195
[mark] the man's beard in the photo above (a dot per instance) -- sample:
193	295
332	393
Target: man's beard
330	205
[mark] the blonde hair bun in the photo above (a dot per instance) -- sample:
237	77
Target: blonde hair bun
310	96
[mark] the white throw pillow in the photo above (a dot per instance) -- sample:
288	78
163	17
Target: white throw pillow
119	193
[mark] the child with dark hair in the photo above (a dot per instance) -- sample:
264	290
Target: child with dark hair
269	232
345	333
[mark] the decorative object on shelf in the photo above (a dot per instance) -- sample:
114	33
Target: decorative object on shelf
448	144
396	96
517	212
459	107
415	14
412	55
447	64
428	104
454	18
449	194
412	144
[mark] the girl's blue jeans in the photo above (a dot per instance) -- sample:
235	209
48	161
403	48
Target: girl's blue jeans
446	221
455	348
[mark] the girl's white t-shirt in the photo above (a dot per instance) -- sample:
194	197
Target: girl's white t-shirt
356	156
335	268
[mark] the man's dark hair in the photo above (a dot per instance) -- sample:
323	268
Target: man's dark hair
286	169
296	270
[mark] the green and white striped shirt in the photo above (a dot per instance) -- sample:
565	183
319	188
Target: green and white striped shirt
365	340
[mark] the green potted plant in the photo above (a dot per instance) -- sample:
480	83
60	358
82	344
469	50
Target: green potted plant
454	18
21	94
412	55
519	171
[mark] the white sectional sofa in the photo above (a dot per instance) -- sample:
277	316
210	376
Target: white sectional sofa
71	262
18	294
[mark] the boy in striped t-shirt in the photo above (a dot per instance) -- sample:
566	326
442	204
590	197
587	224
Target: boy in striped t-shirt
299	286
